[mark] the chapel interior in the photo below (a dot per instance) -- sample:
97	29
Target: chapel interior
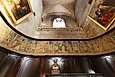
57	38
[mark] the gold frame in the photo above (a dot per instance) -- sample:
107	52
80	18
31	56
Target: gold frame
10	8
110	21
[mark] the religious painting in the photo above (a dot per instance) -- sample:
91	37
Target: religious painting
102	12
18	9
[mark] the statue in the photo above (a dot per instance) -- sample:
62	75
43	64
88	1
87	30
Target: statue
55	69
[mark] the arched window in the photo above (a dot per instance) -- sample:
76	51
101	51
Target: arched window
59	23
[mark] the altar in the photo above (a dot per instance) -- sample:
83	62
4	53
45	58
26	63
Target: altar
75	75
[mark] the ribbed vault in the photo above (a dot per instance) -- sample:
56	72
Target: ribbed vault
63	6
